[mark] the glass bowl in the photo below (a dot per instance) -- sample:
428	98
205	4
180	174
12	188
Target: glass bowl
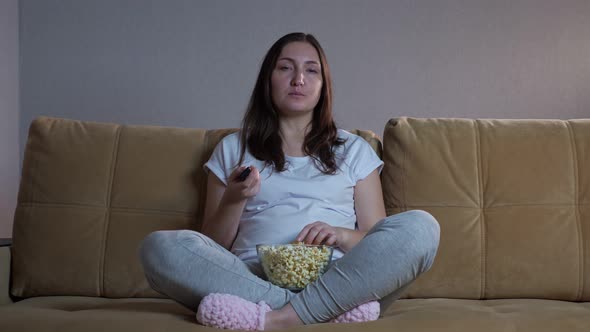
293	266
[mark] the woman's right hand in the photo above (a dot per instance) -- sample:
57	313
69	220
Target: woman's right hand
237	190
225	203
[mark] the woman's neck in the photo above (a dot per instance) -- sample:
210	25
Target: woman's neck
293	135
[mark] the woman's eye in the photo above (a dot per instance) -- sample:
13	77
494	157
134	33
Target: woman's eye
283	68
315	71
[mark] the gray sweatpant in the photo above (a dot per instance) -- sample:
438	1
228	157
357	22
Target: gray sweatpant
186	266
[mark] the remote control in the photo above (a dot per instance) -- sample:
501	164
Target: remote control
244	174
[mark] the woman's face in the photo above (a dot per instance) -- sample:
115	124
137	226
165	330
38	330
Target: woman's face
296	81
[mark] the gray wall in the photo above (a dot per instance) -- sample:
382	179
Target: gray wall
193	63
9	153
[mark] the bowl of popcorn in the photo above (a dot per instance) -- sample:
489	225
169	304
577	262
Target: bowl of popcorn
293	266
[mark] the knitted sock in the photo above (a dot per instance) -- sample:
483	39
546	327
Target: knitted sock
231	312
363	313
225	311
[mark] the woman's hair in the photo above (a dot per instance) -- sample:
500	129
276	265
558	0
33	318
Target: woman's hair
260	126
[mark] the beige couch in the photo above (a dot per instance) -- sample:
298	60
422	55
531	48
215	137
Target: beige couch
512	198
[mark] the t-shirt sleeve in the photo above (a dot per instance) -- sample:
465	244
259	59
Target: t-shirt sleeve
223	159
363	160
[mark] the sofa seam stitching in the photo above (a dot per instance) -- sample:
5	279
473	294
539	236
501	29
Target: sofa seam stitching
200	213
108	207
482	215
404	175
172	212
100	207
576	211
31	181
22	285
20	288
499	206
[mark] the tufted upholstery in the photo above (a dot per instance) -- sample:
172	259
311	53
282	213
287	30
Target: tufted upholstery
512	198
90	192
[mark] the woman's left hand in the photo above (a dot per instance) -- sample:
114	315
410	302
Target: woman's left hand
320	233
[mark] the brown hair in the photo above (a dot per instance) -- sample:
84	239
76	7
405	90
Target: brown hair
260	126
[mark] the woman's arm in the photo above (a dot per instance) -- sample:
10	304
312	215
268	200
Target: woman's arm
369	206
368	201
224	205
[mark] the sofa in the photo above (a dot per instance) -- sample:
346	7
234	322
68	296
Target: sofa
512	198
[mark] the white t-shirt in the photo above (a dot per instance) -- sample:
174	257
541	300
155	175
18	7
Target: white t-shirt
302	194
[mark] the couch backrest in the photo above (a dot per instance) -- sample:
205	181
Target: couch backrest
512	198
90	192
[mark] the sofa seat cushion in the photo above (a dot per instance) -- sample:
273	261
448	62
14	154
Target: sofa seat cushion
513	315
76	313
100	314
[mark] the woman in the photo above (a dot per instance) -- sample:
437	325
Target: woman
308	182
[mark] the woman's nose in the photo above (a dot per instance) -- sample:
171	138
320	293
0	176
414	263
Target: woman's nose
297	79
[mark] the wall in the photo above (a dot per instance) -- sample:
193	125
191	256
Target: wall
193	63
9	153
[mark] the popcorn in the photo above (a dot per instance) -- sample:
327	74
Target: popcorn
294	266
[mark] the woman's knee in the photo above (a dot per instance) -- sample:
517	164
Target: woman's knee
419	219
158	248
425	224
427	232
151	249
421	224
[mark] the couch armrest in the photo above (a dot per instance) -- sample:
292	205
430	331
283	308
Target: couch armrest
5	271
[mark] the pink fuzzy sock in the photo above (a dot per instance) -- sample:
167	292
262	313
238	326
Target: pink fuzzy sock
363	313
225	311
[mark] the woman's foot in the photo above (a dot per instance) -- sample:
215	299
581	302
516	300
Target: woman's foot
231	312
363	313
225	311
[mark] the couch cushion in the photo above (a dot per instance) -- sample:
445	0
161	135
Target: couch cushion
57	313
98	314
515	315
90	192
512	198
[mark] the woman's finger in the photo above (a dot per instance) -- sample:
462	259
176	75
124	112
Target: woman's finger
311	235
331	240
303	233
322	236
